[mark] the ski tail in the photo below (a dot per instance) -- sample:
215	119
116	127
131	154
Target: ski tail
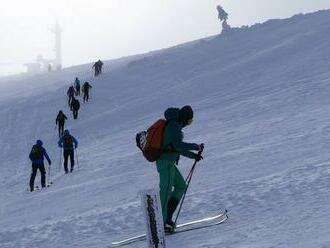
218	219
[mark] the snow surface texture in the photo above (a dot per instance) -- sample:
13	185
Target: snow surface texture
262	101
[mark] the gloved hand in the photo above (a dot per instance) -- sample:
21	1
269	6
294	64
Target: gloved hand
201	147
198	157
75	147
49	162
60	146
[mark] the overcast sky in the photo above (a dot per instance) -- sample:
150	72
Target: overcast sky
108	29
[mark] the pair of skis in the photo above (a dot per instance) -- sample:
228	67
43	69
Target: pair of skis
185	227
39	188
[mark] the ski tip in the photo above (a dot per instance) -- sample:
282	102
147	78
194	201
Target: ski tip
226	212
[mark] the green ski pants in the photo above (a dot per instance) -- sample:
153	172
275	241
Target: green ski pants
171	183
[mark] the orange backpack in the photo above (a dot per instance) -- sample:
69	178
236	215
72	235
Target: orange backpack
150	141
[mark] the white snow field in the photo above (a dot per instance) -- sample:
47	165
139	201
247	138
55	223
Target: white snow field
261	97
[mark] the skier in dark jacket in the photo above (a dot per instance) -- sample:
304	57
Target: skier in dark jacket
171	183
77	86
85	89
97	67
36	156
70	94
75	105
68	143
60	121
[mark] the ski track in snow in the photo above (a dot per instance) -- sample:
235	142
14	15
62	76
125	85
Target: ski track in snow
261	100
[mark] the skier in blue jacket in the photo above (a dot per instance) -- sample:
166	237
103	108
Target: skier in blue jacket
69	144
36	156
77	86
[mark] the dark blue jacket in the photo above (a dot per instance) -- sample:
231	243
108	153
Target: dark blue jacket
62	144
77	83
43	154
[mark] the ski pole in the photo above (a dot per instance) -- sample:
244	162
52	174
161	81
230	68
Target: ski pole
30	179
60	164
188	179
55	130
77	158
49	181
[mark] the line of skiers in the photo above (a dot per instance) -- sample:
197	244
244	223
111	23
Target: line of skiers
66	141
171	183
73	92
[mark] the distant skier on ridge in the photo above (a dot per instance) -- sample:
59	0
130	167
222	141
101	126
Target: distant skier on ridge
223	17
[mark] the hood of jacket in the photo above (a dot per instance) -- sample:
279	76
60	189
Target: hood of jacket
172	114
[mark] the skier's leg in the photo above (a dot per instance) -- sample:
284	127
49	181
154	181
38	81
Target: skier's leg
33	176
66	156
72	159
62	130
179	185
43	175
166	177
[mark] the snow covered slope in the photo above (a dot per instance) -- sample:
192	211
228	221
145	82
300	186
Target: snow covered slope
262	101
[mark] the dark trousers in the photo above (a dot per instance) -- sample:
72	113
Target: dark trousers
60	130
77	91
35	168
66	155
75	113
86	96
69	102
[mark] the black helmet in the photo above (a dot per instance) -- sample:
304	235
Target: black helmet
185	114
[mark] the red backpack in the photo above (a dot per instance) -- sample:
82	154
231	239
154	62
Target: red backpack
150	141
68	142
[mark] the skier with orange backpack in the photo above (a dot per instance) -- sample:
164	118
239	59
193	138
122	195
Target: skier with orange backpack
68	143
163	143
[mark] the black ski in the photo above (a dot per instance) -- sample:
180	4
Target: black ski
185	227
